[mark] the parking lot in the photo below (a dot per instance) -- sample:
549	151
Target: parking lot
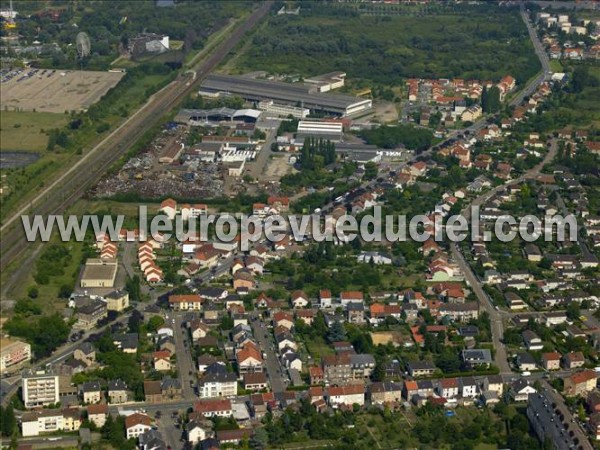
54	91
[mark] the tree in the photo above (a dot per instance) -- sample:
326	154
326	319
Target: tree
260	439
226	323
155	323
134	322
64	291
132	285
9	422
33	292
573	311
371	171
337	332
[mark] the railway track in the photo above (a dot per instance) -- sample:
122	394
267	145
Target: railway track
72	186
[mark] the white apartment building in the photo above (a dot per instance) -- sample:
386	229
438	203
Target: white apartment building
39	389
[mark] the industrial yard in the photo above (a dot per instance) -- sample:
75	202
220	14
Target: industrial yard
54	91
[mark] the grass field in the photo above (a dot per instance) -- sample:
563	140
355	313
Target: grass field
318	348
556	66
23	131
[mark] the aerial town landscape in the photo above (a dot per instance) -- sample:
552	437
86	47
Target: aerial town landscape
207	114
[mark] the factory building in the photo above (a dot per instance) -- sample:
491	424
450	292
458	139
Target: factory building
293	94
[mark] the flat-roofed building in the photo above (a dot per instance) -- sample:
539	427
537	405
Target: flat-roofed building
99	273
39	389
13	353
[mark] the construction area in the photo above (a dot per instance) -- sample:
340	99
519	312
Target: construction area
53	91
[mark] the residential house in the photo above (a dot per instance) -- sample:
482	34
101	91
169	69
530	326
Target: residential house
197	431
421	368
520	390
468	387
476	357
162	360
117	391
580	383
91	392
97	414
532	340
85	353
448	388
494	383
325	298
347	297
255	381
573	360
214	407
551	360
385	392
284	319
217	382
355	313
346	395
187	302
337	369
198	329
249	359
299	300
136	424
362	365
316	374
170	389
525	362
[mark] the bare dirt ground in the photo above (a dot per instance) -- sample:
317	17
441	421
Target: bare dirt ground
56	91
386	112
277	167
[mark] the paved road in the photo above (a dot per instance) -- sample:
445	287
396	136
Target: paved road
573	424
258	167
496	317
266	343
185	363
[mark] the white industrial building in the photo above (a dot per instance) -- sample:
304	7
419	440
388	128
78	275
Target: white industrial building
332	131
283	110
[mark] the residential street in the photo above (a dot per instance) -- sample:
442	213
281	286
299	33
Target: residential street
274	370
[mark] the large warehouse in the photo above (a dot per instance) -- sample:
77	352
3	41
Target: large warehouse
295	94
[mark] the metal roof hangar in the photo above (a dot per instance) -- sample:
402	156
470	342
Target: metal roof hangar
285	93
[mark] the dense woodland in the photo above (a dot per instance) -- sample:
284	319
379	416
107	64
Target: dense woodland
493	42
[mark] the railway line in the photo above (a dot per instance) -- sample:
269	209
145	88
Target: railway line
72	185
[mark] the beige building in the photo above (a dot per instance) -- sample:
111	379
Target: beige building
39	389
99	273
89	315
13	353
471	113
117	300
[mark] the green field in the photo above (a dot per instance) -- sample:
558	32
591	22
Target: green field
24	131
493	42
556	66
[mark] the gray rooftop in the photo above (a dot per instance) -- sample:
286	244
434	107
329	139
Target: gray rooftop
279	91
